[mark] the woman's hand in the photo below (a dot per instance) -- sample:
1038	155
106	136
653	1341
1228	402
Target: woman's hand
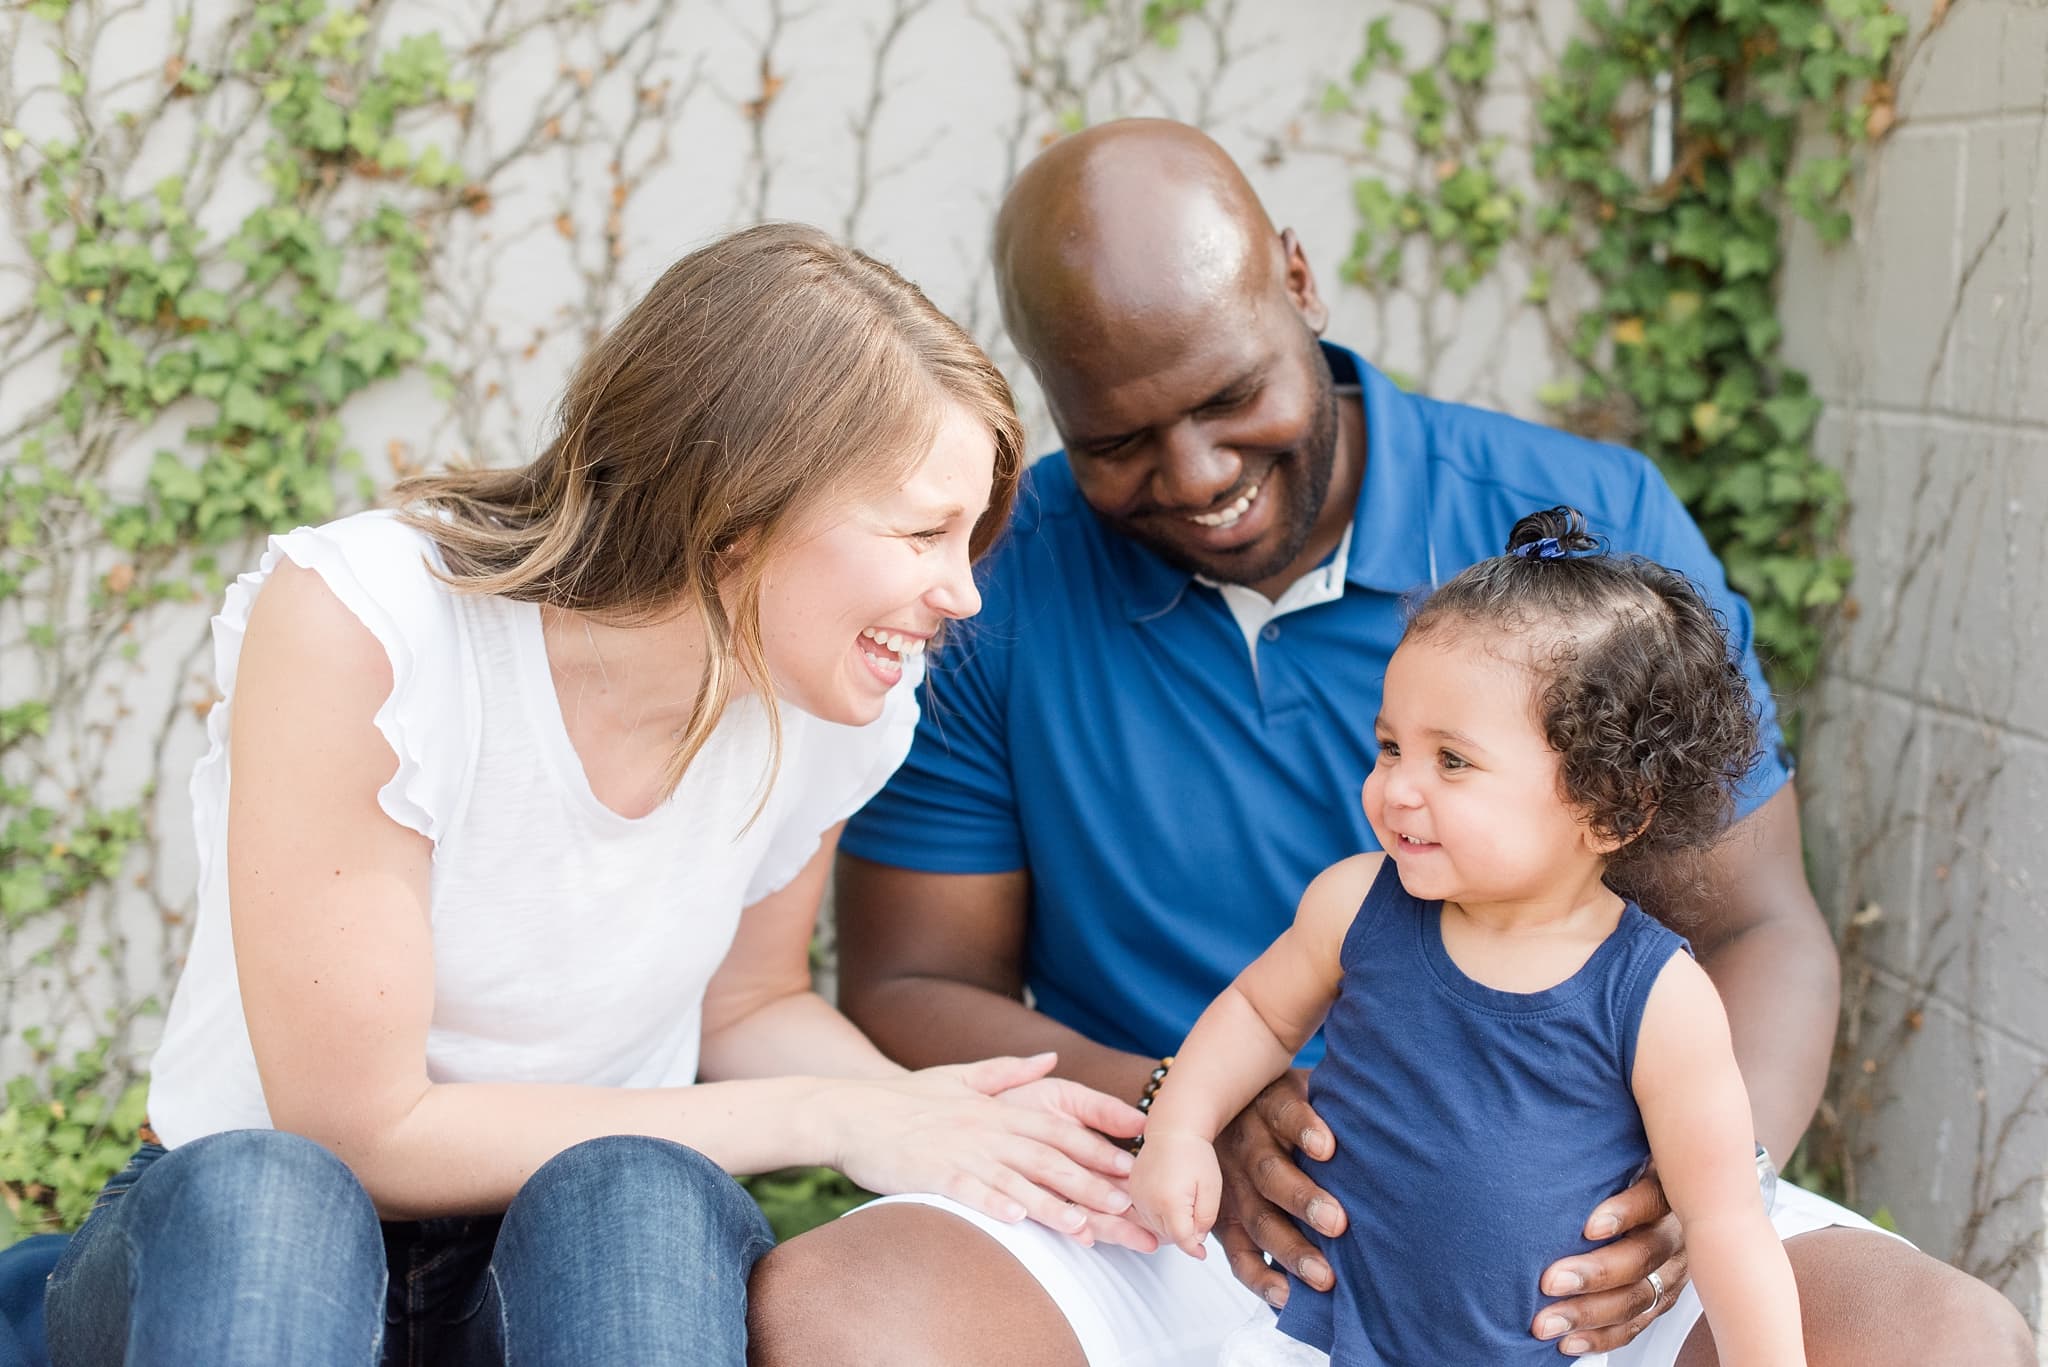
989	1136
1610	1298
1265	1191
1096	1110
1105	1115
1176	1186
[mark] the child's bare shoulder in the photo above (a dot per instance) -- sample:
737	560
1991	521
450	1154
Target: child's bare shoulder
1683	987
1684	1028
1337	890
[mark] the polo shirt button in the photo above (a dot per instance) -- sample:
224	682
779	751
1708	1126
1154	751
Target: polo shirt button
1270	631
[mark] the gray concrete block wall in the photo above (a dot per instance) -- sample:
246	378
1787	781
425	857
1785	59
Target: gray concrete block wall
1925	776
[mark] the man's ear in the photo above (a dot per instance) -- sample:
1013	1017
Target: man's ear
1301	284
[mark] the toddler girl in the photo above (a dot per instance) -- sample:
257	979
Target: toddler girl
1510	1038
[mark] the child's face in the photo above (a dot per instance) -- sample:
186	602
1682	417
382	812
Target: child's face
1465	795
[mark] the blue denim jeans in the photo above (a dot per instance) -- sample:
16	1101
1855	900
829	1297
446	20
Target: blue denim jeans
260	1247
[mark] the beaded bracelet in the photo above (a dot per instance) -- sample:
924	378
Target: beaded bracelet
1151	1094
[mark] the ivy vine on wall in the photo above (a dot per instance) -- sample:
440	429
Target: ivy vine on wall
1674	347
254	331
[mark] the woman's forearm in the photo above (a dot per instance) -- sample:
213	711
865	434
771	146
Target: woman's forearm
467	1148
799	1033
767	1101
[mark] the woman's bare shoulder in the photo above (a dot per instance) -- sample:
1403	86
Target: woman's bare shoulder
298	618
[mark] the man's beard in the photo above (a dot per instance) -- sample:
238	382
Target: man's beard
1308	467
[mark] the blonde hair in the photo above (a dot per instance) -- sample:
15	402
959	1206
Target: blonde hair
763	378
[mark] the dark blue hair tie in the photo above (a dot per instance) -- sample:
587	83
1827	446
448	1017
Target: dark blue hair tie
1546	549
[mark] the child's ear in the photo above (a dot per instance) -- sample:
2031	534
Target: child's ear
1626	831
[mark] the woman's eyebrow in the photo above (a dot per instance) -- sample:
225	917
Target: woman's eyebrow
943	513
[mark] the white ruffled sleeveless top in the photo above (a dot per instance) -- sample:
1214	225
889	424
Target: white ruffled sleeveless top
571	944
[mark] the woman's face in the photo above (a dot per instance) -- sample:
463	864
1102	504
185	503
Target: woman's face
868	584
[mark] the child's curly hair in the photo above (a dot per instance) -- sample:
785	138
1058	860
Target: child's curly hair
1637	690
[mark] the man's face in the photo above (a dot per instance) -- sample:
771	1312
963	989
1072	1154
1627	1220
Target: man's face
1212	443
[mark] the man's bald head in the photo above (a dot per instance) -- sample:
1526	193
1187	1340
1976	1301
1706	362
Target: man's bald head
1138	223
1173	334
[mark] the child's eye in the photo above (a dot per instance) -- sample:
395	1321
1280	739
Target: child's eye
1450	760
1389	750
929	537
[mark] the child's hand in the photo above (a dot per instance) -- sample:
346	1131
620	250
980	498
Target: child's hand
1175	1188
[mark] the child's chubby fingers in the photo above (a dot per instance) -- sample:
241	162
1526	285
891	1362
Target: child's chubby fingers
1179	1218
1184	1229
1208	1197
1208	1189
1155	1206
1177	1187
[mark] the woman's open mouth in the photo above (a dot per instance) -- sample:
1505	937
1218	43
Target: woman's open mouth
886	651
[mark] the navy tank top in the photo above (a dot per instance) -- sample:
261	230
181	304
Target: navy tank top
1476	1130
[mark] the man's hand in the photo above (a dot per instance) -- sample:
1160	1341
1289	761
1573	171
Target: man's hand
1265	1191
1609	1296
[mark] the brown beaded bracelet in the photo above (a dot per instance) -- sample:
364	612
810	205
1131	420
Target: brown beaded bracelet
1151	1094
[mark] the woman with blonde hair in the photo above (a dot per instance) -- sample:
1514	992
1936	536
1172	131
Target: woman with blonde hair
513	831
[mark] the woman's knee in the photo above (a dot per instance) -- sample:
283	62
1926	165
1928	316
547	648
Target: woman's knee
247	1219
254	1181
627	1183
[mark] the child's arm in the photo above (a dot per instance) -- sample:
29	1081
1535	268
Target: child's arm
1696	1112
1246	1038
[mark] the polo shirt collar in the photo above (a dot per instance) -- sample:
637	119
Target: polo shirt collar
1151	587
1389	522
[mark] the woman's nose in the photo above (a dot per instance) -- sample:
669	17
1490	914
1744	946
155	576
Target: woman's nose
955	595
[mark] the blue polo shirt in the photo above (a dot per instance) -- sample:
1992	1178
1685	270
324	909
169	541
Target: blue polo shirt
1101	724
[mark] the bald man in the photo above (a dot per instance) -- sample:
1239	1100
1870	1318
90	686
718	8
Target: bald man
1152	739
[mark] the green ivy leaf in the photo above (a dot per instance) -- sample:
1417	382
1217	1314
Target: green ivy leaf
1792	414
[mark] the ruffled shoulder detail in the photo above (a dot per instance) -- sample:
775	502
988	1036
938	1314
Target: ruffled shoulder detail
382	571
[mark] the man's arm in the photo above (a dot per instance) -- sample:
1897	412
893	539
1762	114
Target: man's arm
931	966
1763	941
